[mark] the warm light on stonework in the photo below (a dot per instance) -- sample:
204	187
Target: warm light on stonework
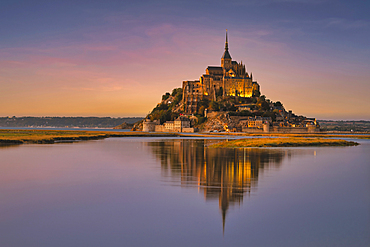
229	79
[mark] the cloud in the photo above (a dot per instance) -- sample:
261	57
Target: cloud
345	23
141	65
298	1
269	2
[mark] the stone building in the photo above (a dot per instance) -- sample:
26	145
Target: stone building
229	79
256	122
181	124
149	126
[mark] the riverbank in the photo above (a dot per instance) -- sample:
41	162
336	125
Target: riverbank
283	142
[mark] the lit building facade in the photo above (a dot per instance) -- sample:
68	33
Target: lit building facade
229	79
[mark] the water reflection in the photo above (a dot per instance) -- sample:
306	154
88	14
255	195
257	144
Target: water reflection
224	174
6	145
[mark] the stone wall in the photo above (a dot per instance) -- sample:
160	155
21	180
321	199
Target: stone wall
149	126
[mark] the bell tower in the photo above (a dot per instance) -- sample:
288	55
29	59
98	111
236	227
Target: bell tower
226	58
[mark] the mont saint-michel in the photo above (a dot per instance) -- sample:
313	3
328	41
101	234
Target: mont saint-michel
225	98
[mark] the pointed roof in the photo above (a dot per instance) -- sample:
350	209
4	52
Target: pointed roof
226	53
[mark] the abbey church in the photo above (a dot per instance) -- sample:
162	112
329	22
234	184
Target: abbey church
229	79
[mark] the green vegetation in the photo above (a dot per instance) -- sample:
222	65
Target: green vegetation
283	142
241	113
164	111
278	103
171	107
166	96
259	105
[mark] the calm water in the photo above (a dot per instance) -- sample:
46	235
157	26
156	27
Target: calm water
178	192
58	128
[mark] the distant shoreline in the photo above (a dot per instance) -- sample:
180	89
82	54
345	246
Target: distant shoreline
66	122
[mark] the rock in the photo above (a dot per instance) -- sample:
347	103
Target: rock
124	125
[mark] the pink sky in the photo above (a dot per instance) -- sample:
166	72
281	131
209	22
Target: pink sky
110	71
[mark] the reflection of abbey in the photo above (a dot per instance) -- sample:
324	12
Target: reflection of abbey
225	175
229	79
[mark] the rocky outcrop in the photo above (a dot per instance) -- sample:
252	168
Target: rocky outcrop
216	121
138	126
124	125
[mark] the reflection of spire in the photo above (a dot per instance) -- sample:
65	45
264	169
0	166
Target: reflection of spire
224	197
224	205
223	221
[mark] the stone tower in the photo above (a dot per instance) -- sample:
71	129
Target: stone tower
226	58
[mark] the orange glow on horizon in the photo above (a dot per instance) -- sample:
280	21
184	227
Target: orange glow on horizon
66	81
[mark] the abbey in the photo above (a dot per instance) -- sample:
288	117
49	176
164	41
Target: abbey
229	79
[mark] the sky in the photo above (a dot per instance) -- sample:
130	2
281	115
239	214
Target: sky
116	58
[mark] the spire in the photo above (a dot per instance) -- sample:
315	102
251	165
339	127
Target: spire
226	43
226	53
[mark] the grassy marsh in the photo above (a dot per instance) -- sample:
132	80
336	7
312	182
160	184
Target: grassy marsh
283	142
19	136
316	135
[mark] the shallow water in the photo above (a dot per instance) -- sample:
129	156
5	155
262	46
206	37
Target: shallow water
178	192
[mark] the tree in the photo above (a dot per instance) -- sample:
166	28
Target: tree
269	114
166	96
165	116
278	104
204	102
178	98
231	107
176	91
201	110
214	106
265	106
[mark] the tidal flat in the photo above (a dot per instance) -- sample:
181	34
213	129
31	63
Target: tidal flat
35	136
